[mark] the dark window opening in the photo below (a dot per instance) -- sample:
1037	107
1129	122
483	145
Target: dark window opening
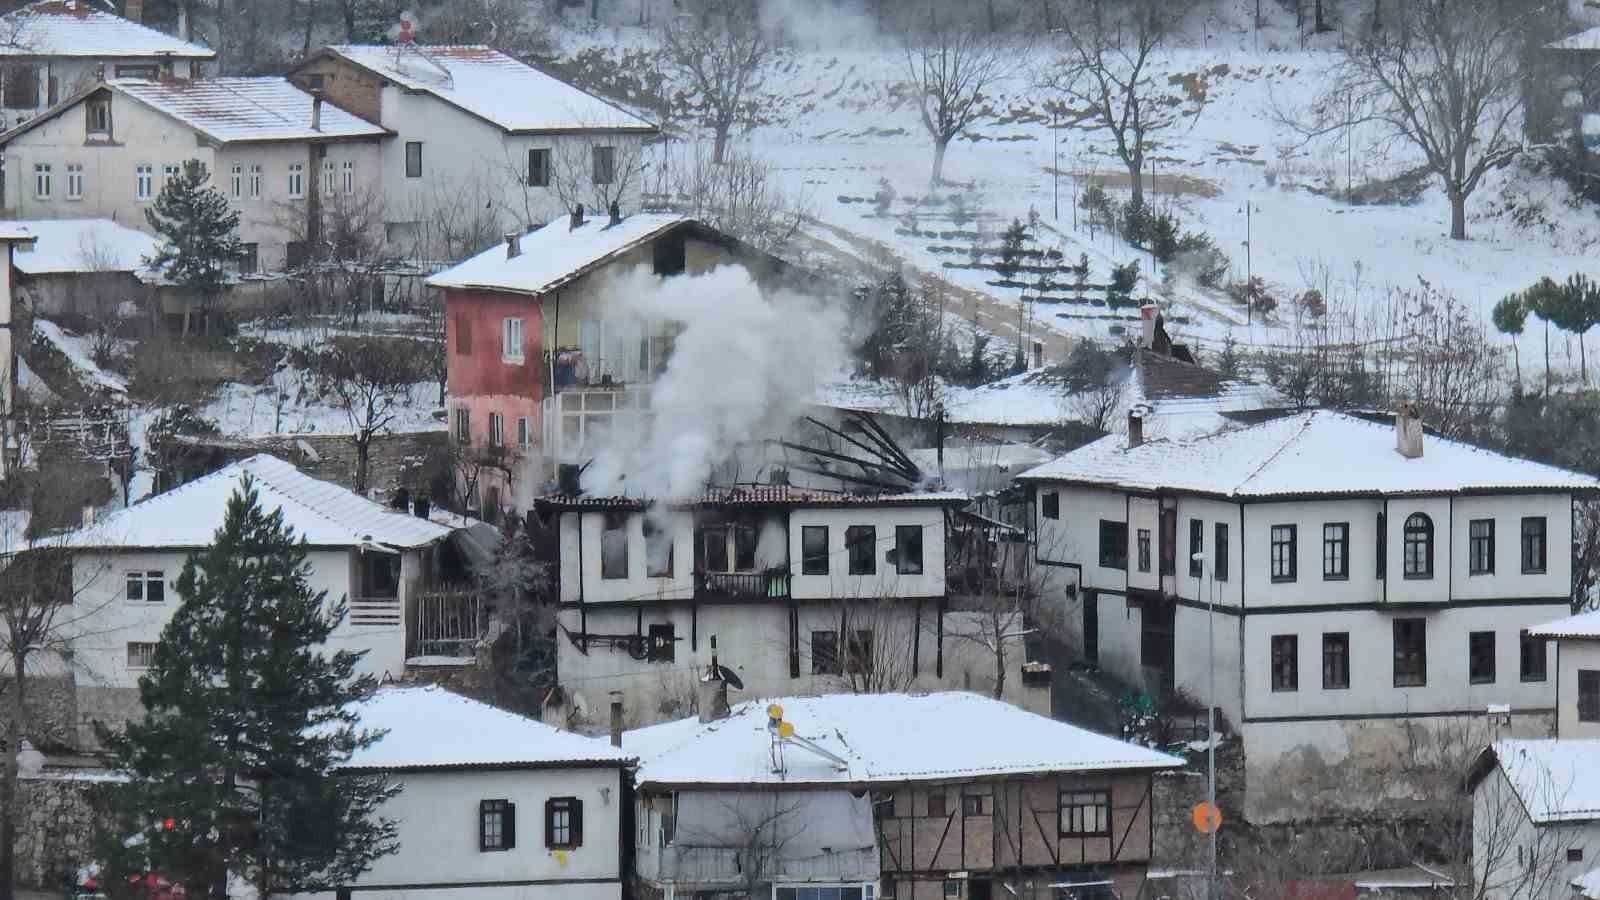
497	825
1050	505
1219	568
21	86
380	574
1383	546
1480	657
1197	546
663	643
936	804
858	652
1336	661
1143	549
814	550
1418	559
1285	564
563	823
973	804
539	167
670	254
1113	544
1588	695
1410	652
413	159
825	653
1084	813
1336	551
1480	547
658	550
908	549
605	165
1285	662
860	541
1532	658
1533	545
614	546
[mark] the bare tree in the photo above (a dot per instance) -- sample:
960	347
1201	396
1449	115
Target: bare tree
873	654
1585	553
737	196
757	826
951	62
596	170
1105	70
1440	75
370	379
719	50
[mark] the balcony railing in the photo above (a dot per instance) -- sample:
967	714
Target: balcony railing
375	611
448	623
772	584
725	865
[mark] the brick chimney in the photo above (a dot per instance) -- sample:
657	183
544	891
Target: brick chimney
1135	427
133	10
1408	430
1147	326
316	109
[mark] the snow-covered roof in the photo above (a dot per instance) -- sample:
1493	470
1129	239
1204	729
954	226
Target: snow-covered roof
1581	626
321	512
1587	885
883	738
1588	39
1313	453
267	108
492	86
430	728
761	495
1556	780
78	28
69	246
555	254
15	232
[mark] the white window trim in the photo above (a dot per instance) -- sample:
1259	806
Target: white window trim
497	430
144	590
128	656
144	178
75	181
349	170
297	181
255	180
524	431
512	351
236	180
42	181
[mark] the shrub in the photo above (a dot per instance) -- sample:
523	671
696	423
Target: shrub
1199	257
1124	279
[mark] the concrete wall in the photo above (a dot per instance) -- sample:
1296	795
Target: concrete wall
1571	657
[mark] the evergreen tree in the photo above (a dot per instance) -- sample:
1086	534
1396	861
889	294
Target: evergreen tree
199	234
1510	316
232	769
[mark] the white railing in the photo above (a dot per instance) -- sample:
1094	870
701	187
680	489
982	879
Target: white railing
371	611
448	623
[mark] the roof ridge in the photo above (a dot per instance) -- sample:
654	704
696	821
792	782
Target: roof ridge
1305	425
294	470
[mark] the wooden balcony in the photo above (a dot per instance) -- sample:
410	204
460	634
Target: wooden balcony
771	584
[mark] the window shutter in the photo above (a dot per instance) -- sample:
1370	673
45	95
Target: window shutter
508	827
483	822
549	823
577	822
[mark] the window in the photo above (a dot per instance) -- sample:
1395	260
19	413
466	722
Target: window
1335	551
1574	854
497	432
1113	544
825	653
98	113
1219	568
21	87
1588	695
41	181
140	654
827	892
143	180
463	330
255	180
1144	549
936	805
497	825
524	431
1284	565
511	340
1197	544
297	181
605	165
813	549
137	71
539	167
330	178
1383	545
312	82
908	549
1418	559
662	645
858	651
348	168
657	550
74	181
1480	657
236	180
1050	505
614	546
1285	662
413	159
1533	545
169	174
147	587
1336	661
859	542
1480	547
52	90
1410	652
250	258
563	823
973	804
463	426
952	887
1532	658
1085	813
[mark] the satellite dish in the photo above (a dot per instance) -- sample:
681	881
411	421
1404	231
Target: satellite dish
580	704
733	680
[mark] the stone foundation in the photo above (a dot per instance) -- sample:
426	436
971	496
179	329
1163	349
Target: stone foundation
56	829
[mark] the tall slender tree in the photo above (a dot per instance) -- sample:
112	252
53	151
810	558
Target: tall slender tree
1510	316
233	771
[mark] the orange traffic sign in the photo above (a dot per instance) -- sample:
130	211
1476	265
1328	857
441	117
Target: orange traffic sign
1207	818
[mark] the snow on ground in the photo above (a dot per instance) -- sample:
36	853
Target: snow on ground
76	349
242	410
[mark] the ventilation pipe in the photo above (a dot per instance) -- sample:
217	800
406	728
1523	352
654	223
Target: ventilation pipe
616	718
1408	430
577	218
316	109
711	690
513	245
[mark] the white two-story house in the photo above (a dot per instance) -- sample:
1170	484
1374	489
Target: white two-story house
796	590
386	563
284	159
480	137
1340	582
53	49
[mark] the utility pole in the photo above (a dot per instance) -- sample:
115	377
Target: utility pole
1249	274
1055	164
1211	714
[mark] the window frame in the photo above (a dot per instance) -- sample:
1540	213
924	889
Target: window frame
1285	663
43	180
1588	695
1219	546
1118	534
1142	544
1336	541
257	173
943	811
148	653
661	642
825	656
297	181
808	560
169	174
1526	645
1381	552
1098	799
972	805
1050	504
1417	532
603	161
653	532
413	159
1403	678
463	426
497	430
76	181
538	175
1336	646
861	545
347	172
1284	553
1480	547
1527	542
572	807
236	180
330	178
144	179
97	113
1197	544
513	337
524	431
505	834
150	581
1476	655
905	538
611	524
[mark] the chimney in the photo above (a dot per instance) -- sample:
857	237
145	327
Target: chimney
577	218
1408	430
1135	427
711	692
616	718
513	245
184	33
616	213
1147	326
133	10
316	109
88	514
421	507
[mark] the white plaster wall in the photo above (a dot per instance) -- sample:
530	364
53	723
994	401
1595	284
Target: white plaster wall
1144	513
1508	579
1075	537
1372	690
1119	645
1223	591
1309	586
1570	657
637	586
885	582
108	621
1193	657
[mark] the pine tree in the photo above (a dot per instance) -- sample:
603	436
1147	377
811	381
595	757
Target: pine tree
232	769
199	232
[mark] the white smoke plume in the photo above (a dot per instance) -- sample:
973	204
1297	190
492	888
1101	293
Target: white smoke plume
745	363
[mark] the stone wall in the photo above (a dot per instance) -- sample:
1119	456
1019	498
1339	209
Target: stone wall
395	460
52	711
1177	844
56	829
